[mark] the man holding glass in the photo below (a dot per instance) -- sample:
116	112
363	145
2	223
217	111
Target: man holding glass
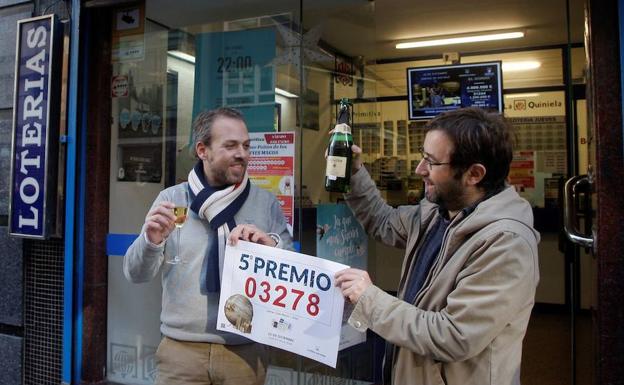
470	270
223	206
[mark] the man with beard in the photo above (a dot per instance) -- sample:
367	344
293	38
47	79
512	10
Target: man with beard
224	206
470	271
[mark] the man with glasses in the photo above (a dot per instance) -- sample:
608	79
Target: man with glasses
470	271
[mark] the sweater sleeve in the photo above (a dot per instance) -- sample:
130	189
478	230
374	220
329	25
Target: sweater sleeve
278	226
143	259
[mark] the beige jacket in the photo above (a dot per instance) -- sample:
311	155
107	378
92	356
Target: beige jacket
467	323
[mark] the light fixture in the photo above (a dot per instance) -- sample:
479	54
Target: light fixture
527	95
521	65
182	56
285	93
431	42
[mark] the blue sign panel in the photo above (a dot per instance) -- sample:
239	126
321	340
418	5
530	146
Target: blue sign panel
434	90
340	237
33	118
233	69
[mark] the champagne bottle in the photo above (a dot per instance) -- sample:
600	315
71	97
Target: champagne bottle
338	168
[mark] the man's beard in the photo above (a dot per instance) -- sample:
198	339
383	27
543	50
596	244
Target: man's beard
227	177
449	195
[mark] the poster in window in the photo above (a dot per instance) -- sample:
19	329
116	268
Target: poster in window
139	163
341	238
141	111
233	69
128	35
272	168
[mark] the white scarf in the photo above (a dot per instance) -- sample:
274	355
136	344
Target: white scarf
218	207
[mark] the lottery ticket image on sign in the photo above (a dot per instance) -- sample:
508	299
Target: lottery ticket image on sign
239	311
283	299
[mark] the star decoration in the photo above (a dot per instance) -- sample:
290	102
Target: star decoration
294	48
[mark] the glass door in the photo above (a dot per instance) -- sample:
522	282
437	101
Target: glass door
170	62
287	67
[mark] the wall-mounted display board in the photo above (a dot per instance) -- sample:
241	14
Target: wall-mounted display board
433	90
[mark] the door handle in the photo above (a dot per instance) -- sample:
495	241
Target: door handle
570	192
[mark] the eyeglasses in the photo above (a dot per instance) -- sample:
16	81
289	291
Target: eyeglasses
430	162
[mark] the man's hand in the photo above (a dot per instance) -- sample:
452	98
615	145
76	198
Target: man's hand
250	233
160	222
356	160
352	283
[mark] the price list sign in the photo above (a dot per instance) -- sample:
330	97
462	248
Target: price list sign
283	299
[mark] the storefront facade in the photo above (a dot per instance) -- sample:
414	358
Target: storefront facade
136	74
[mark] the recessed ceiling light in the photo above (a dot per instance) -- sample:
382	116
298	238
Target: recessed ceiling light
460	39
527	95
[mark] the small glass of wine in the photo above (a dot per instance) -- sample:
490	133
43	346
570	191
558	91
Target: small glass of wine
180	199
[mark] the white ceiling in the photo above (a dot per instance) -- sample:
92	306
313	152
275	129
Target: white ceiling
371	28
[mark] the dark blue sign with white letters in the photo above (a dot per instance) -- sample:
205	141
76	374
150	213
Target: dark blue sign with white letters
35	127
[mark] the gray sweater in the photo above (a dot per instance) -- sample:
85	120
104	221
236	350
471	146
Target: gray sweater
189	313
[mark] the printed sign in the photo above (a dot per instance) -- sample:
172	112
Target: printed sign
128	37
521	171
139	163
272	167
35	127
139	106
343	71
119	86
535	104
341	238
283	299
433	90
233	69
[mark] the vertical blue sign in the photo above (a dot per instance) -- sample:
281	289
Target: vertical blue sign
33	116
233	69
340	237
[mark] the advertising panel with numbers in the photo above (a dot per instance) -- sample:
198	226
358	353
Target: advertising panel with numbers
282	299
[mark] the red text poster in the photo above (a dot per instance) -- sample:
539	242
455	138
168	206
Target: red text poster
521	173
272	167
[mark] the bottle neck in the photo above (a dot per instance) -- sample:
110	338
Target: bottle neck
343	115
